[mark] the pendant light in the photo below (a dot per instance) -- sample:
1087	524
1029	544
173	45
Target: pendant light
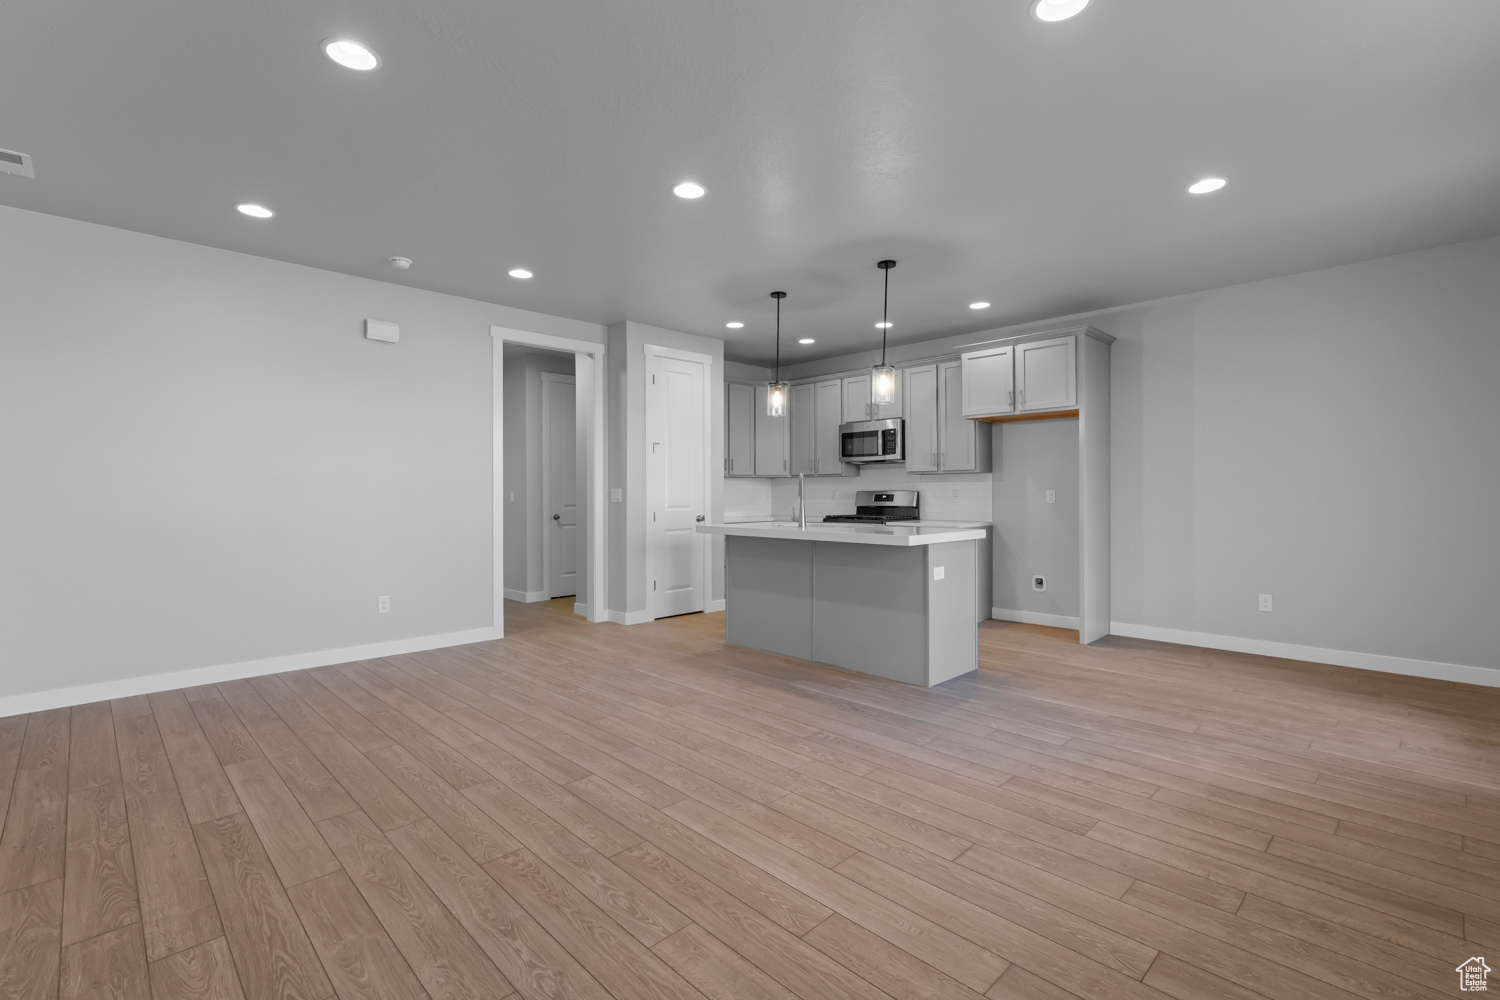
883	378
776	390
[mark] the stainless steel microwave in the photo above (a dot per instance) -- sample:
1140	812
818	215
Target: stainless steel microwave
872	441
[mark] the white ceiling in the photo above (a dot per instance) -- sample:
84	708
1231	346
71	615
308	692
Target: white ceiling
1040	167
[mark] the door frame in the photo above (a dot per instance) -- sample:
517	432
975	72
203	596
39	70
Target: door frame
558	379
707	361
588	400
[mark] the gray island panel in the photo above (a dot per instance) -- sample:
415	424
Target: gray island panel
771	583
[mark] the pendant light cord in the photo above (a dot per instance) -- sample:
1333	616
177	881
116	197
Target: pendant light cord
885	315
778	338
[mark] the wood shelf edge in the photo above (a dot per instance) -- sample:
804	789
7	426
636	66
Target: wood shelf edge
1014	418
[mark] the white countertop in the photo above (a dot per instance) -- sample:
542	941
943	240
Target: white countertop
906	535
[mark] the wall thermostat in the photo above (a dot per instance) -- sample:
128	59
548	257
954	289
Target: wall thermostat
379	329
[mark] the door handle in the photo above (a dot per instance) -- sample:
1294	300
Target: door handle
698	518
557	517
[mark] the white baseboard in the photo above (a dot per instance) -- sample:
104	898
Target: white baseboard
715	606
1458	672
38	701
526	596
1034	618
631	617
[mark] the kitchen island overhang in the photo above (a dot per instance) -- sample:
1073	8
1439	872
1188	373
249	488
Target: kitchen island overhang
894	601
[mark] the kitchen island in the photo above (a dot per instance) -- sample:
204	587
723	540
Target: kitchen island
890	600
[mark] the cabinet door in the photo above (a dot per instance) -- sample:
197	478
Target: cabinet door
771	439
922	419
956	433
891	410
739	424
1046	375
988	382
857	398
827	446
802	413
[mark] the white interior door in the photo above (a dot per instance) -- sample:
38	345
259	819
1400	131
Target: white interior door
562	546
677	431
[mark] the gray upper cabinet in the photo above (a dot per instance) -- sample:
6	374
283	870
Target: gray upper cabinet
827	445
922	418
857	404
772	439
803	410
1046	374
989	382
739	429
939	438
963	444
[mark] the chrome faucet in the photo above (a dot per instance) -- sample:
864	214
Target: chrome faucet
802	501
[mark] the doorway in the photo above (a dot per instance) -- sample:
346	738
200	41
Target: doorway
536	556
678	423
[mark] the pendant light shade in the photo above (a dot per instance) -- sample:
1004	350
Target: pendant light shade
776	390
883	376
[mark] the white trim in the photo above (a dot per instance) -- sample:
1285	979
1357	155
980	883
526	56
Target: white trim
83	694
715	606
582	610
1458	672
526	596
709	472
1035	618
589	377
631	617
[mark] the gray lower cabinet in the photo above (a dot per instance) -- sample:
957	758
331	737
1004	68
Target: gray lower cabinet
772	439
739	429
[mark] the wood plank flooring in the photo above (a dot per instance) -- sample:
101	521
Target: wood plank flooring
584	812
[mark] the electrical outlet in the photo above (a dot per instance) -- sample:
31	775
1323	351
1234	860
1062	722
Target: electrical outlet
1052	496
616	495
512	496
382	605
1265	602
1039	583
955	496
938	572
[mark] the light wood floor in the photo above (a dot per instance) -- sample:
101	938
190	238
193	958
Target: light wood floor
587	812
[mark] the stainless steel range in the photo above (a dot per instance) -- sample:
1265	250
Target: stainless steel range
876	507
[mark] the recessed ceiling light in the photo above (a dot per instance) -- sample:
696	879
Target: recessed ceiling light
736	325
254	211
1207	185
807	340
401	263
519	272
979	305
1056	10
350	54
884	326
689	190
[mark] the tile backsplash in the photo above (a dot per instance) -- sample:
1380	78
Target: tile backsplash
952	497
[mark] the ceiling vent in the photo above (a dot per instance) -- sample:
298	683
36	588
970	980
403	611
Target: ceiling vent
12	162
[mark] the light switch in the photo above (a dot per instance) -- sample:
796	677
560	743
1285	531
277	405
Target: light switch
937	572
616	495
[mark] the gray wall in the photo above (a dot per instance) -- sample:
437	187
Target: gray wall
1033	537
525	526
204	462
625	404
1330	438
